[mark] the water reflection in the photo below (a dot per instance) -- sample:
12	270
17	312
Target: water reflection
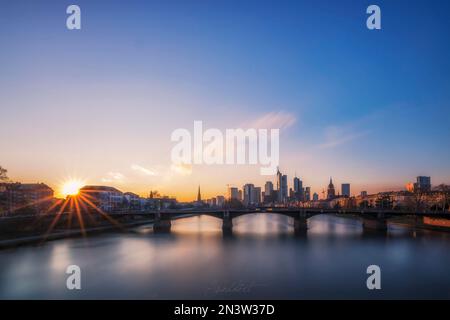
262	258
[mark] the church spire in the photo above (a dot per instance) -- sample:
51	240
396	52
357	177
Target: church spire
199	196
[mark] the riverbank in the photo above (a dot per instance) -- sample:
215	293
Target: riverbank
411	222
63	234
36	239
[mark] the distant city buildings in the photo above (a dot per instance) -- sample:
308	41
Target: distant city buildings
25	197
418	196
103	197
422	184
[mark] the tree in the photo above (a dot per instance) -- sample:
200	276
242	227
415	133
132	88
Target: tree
3	176
445	190
154	194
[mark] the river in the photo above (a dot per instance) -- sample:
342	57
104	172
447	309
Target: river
263	258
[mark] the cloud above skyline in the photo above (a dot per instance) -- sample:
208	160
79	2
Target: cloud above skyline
272	120
144	171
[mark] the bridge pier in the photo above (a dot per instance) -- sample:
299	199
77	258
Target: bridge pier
161	225
300	224
227	223
378	223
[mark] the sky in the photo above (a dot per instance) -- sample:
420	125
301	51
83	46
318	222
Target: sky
367	107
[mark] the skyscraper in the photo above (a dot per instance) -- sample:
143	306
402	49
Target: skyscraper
256	199
279	183
315	197
220	201
296	184
345	189
307	193
331	193
298	189
284	188
249	193
268	188
233	193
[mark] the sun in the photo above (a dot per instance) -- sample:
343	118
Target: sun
71	187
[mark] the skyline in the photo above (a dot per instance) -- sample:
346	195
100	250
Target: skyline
72	186
99	104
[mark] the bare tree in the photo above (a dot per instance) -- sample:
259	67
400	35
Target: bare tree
154	194
419	203
3	176
445	190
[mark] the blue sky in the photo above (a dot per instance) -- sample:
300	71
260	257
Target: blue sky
368	107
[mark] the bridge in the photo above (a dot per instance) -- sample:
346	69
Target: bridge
372	219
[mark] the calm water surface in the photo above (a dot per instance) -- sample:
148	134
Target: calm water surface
262	259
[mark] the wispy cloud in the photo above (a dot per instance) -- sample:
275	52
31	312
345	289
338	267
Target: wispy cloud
272	120
116	177
181	169
335	136
144	171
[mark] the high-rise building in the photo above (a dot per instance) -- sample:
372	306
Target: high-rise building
423	184
331	193
240	196
296	184
363	194
233	193
315	197
249	193
279	183
220	201
345	189
307	193
298	189
268	188
256	198
284	188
